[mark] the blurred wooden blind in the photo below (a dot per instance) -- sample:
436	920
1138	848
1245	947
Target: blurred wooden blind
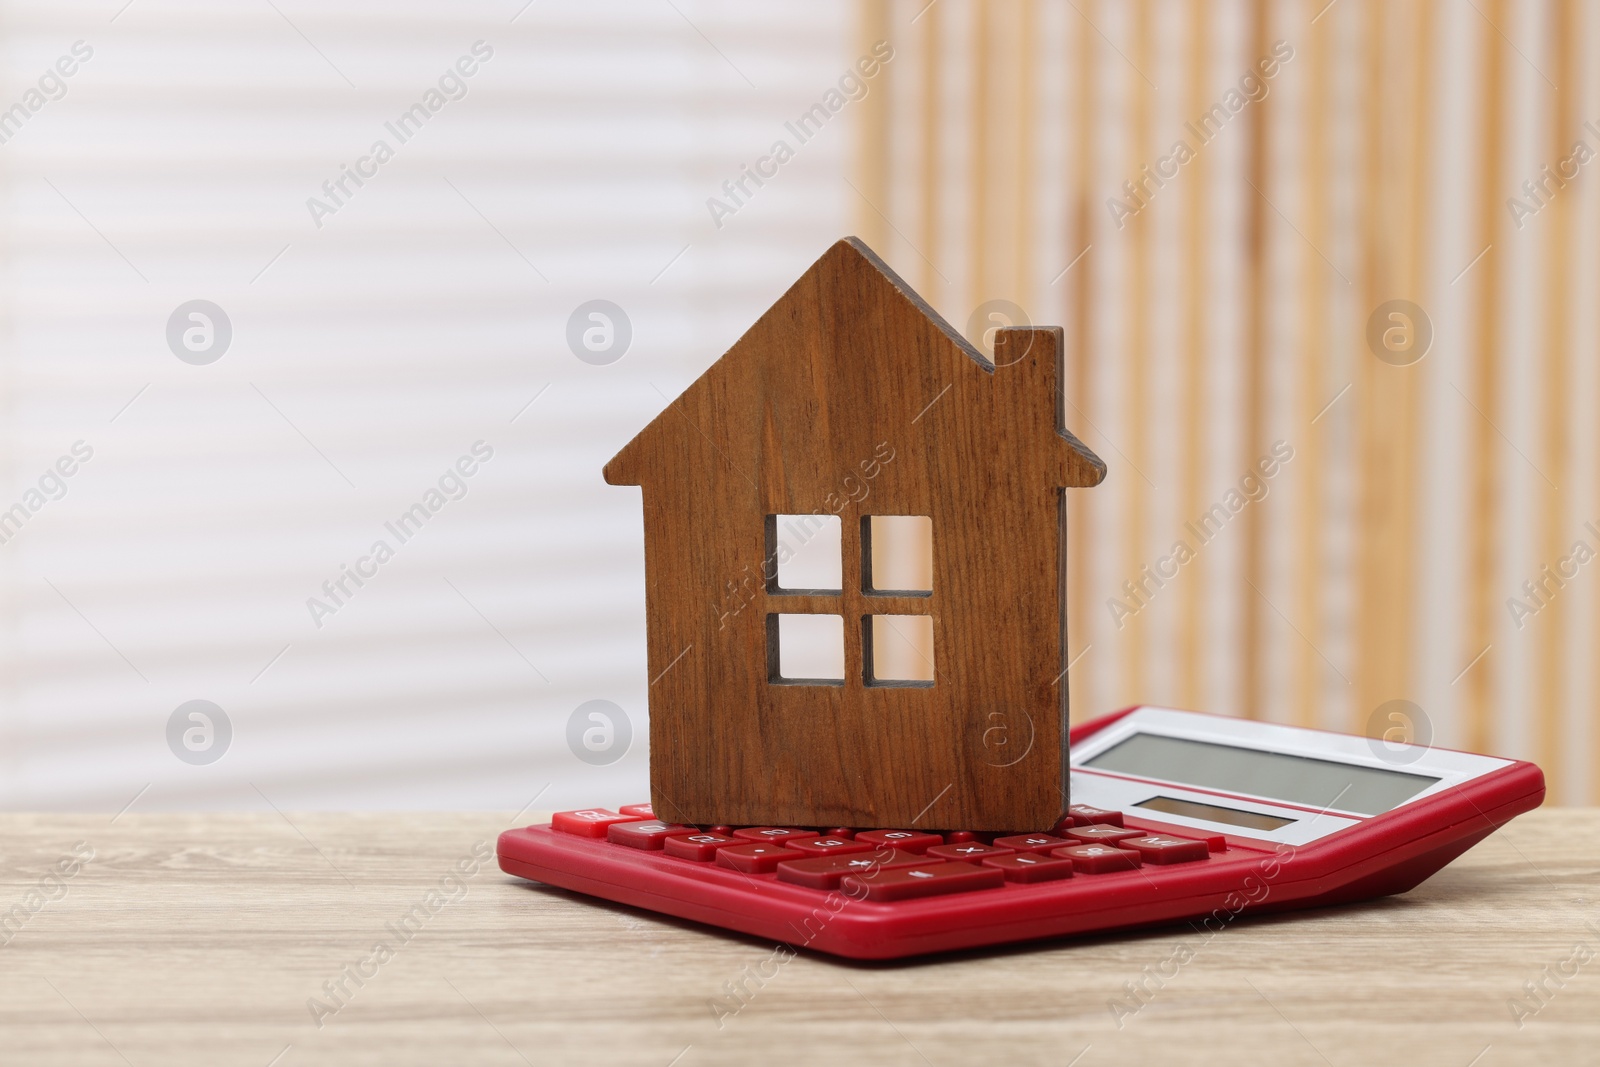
1428	541
428	312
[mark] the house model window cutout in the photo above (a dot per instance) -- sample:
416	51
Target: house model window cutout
854	529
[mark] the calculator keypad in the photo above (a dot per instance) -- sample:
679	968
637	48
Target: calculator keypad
893	865
589	822
923	880
1032	842
645	833
702	847
772	834
904	840
1160	848
1098	859
967	852
755	859
824	872
830	845
1029	867
1100	833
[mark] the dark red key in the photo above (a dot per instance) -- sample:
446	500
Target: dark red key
824	872
842	831
1032	842
1160	848
1062	825
828	846
771	834
1030	867
955	837
1101	833
1086	815
923	880
648	833
967	851
1098	859
757	859
702	847
590	822
904	840
643	811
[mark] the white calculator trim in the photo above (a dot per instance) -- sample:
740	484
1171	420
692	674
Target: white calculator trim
1123	792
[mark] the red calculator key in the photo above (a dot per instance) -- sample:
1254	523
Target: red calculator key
590	822
1085	815
1098	859
1161	848
828	846
643	811
757	859
824	872
647	833
702	847
1101	833
725	831
842	831
967	851
955	837
905	840
1062	825
1032	842
1030	867
923	880
772	834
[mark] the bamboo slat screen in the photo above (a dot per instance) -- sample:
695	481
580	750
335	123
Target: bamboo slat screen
1221	202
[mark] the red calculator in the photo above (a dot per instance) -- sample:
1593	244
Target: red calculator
1175	816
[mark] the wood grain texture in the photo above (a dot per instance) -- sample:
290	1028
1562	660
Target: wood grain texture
193	939
851	397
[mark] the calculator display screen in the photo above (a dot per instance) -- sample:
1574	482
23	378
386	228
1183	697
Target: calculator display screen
1318	783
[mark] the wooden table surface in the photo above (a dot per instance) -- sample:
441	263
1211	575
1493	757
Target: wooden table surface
204	939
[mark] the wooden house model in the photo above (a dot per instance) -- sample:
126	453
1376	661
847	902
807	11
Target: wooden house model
851	401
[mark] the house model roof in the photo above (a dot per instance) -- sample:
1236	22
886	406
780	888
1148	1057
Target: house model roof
850	291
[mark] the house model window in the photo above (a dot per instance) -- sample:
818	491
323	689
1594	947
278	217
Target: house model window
807	646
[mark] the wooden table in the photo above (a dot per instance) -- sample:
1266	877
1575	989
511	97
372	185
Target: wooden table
207	939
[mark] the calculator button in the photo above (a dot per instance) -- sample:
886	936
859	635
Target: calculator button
904	840
590	822
955	837
923	880
1032	842
824	872
1160	848
771	834
1085	815
702	847
842	831
643	811
1063	824
725	831
828	846
757	859
1030	867
649	833
1101	833
967	851
1098	859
